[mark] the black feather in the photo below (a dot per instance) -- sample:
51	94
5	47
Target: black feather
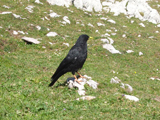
74	60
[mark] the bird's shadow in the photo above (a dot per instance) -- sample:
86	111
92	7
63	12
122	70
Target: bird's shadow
65	83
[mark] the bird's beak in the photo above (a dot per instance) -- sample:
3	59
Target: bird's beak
90	37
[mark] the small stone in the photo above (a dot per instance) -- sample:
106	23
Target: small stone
30	40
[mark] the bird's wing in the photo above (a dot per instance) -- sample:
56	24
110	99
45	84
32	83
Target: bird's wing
71	57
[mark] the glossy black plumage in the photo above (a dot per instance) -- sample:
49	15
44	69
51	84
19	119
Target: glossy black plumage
74	60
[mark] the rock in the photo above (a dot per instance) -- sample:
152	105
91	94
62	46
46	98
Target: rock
6	13
30	40
67	44
111	21
141	24
53	14
127	87
129	51
130	97
65	3
38	27
111	49
140	53
81	92
37	1
105	40
89	24
115	80
51	34
100	24
81	89
15	32
88	5
86	98
66	20
5	6
134	8
92	84
30	8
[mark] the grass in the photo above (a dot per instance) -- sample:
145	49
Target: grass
25	70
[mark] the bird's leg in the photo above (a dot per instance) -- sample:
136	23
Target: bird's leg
80	75
76	79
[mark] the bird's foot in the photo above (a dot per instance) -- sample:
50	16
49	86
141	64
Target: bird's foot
78	81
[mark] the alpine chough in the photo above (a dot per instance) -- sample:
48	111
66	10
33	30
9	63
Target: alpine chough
74	60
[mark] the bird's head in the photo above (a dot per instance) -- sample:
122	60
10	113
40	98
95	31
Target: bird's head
83	39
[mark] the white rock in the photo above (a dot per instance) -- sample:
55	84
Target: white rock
30	8
92	84
51	34
73	84
158	25
151	37
105	40
130	89
37	1
106	3
21	32
70	10
86	98
135	8
113	33
124	35
89	24
53	14
15	32
67	44
46	18
50	43
111	40
66	19
129	51
111	49
105	35
139	35
156	31
18	16
6	13
141	24
107	30
140	53
130	97
43	47
88	5
115	80
132	21
5	6
152	78
31	40
81	92
96	31
100	24
38	27
103	18
65	3
111	21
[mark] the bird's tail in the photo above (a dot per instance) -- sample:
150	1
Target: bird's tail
55	77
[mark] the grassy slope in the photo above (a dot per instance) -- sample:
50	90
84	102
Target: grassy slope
25	70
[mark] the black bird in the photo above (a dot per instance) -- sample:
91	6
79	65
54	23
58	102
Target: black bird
73	61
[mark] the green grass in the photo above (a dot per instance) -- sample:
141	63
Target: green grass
25	70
